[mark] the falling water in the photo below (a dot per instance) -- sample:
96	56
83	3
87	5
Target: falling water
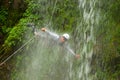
46	62
89	21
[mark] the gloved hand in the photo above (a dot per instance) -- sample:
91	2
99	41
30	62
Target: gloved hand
77	56
43	29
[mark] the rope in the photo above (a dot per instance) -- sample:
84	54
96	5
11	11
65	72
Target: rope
1	52
16	51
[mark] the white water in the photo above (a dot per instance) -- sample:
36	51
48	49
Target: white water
47	62
88	24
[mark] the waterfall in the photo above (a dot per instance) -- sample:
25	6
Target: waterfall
87	26
43	61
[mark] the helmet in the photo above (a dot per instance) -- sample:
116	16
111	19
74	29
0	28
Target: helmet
66	36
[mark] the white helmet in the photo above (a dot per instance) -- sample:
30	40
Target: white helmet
66	36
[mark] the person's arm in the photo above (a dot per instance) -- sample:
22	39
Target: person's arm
53	35
72	52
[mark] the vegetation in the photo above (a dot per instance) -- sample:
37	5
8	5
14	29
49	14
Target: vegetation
62	16
108	41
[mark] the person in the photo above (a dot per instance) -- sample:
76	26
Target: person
60	39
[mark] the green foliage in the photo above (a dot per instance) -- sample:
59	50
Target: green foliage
3	14
65	15
14	36
16	33
116	39
115	11
6	29
109	40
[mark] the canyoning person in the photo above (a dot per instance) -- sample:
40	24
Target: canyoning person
60	39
